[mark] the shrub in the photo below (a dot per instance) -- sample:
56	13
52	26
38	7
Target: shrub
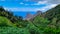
5	22
13	30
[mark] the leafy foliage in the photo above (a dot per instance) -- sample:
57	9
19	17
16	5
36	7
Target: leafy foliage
13	30
9	15
5	22
40	21
53	13
49	24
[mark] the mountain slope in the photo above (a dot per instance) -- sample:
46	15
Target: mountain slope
5	22
32	17
9	15
53	13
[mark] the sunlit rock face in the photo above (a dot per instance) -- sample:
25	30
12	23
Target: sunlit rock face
31	17
38	13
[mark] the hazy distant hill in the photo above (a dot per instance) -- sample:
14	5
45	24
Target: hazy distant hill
31	17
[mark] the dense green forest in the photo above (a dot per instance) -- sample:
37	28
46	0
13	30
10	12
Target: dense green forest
47	23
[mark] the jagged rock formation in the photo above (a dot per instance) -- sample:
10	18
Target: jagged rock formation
31	17
38	13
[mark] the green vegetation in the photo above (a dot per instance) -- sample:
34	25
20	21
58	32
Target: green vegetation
13	30
49	24
5	22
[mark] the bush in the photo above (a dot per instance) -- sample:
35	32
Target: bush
13	30
5	22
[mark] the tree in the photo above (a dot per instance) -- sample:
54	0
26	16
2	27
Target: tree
40	21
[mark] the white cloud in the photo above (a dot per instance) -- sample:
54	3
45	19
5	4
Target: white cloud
41	9
45	8
48	1
26	4
42	2
21	3
21	9
39	3
51	6
53	1
45	2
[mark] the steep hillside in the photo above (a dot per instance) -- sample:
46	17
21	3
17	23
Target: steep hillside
5	22
53	13
9	15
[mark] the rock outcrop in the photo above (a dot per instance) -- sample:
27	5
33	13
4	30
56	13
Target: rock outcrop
31	17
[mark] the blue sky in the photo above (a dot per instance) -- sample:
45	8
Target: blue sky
21	7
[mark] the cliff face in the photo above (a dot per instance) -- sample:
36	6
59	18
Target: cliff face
31	17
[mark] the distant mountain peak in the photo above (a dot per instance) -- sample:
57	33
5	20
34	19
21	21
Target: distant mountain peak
30	16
